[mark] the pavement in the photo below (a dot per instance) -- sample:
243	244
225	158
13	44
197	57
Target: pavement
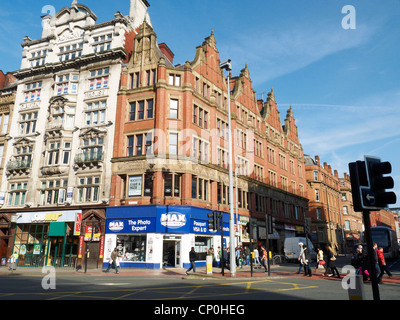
277	271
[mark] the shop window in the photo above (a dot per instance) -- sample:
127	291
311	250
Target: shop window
132	248
202	244
30	242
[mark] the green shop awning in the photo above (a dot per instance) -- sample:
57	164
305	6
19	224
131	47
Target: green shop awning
57	229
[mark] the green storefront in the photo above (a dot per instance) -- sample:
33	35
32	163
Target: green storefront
47	238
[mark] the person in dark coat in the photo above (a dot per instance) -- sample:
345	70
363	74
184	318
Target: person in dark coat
331	265
192	258
359	261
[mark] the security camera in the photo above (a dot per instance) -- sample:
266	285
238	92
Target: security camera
226	65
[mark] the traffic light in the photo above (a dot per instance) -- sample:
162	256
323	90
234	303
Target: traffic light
307	225
270	224
377	196
369	185
212	221
215	221
358	178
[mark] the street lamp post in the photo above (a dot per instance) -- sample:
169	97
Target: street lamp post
227	66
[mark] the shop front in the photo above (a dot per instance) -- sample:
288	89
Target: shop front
160	236
47	238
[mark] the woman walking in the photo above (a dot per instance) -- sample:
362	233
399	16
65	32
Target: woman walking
320	259
331	262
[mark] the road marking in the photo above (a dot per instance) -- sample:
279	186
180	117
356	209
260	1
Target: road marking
239	288
248	288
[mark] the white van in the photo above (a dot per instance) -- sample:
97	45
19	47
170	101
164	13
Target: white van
292	248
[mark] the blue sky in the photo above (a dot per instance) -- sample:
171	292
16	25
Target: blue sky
343	84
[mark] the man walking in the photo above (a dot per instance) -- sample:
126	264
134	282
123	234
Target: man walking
114	262
304	258
192	258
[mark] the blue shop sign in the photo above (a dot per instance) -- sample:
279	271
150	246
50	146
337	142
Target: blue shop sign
161	219
201	226
142	225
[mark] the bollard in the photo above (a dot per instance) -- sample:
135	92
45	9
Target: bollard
209	261
356	287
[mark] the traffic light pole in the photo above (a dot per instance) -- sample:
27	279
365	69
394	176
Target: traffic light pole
251	248
372	271
267	243
221	223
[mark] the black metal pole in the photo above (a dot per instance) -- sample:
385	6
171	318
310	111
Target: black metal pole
221	223
251	249
87	246
267	243
372	271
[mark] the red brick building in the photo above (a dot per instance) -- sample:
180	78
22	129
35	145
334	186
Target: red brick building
383	218
171	149
325	202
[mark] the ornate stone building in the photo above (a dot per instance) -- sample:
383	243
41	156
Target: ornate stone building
8	87
58	172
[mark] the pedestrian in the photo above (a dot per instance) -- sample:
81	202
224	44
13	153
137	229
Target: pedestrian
237	256
304	258
382	264
320	260
225	259
264	258
360	262
247	254
375	255
257	258
331	258
13	261
113	263
220	256
192	258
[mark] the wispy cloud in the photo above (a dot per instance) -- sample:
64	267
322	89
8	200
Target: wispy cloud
276	53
